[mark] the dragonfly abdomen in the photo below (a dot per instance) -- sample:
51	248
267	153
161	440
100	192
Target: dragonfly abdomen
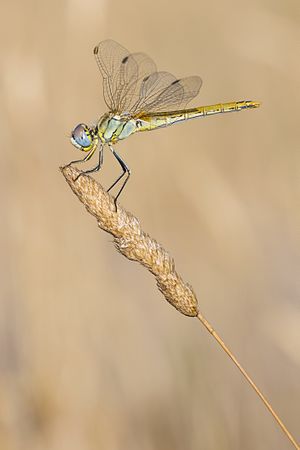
153	121
220	108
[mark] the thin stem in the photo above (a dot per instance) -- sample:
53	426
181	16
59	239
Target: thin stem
136	245
250	381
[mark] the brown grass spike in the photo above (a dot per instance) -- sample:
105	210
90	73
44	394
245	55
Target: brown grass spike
136	245
132	241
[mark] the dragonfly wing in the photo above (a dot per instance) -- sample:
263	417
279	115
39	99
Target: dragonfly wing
111	58
131	83
162	91
122	74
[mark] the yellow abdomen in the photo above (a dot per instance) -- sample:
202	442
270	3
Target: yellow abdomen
152	121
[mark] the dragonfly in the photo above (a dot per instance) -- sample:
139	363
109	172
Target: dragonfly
138	98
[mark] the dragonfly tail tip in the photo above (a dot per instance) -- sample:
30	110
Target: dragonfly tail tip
256	104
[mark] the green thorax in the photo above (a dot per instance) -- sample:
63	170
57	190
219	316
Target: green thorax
113	127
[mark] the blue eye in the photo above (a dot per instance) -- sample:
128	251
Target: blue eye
81	136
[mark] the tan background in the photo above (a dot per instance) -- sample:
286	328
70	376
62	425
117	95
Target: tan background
91	355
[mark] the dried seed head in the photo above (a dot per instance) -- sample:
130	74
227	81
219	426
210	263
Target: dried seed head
132	241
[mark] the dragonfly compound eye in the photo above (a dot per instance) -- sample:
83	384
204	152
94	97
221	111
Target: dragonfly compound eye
81	137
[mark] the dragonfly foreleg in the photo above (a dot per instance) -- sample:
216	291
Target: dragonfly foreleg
98	166
86	158
126	170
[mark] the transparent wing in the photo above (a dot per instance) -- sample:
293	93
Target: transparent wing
132	85
122	74
162	91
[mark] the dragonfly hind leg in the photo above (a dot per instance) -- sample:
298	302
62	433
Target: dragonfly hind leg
126	171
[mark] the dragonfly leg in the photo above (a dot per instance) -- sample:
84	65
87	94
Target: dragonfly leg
86	158
126	170
99	164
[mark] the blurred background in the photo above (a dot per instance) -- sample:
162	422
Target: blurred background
91	356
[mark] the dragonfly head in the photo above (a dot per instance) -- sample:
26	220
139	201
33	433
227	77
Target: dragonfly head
83	137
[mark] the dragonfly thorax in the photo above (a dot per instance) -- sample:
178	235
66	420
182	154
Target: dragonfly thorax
114	127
